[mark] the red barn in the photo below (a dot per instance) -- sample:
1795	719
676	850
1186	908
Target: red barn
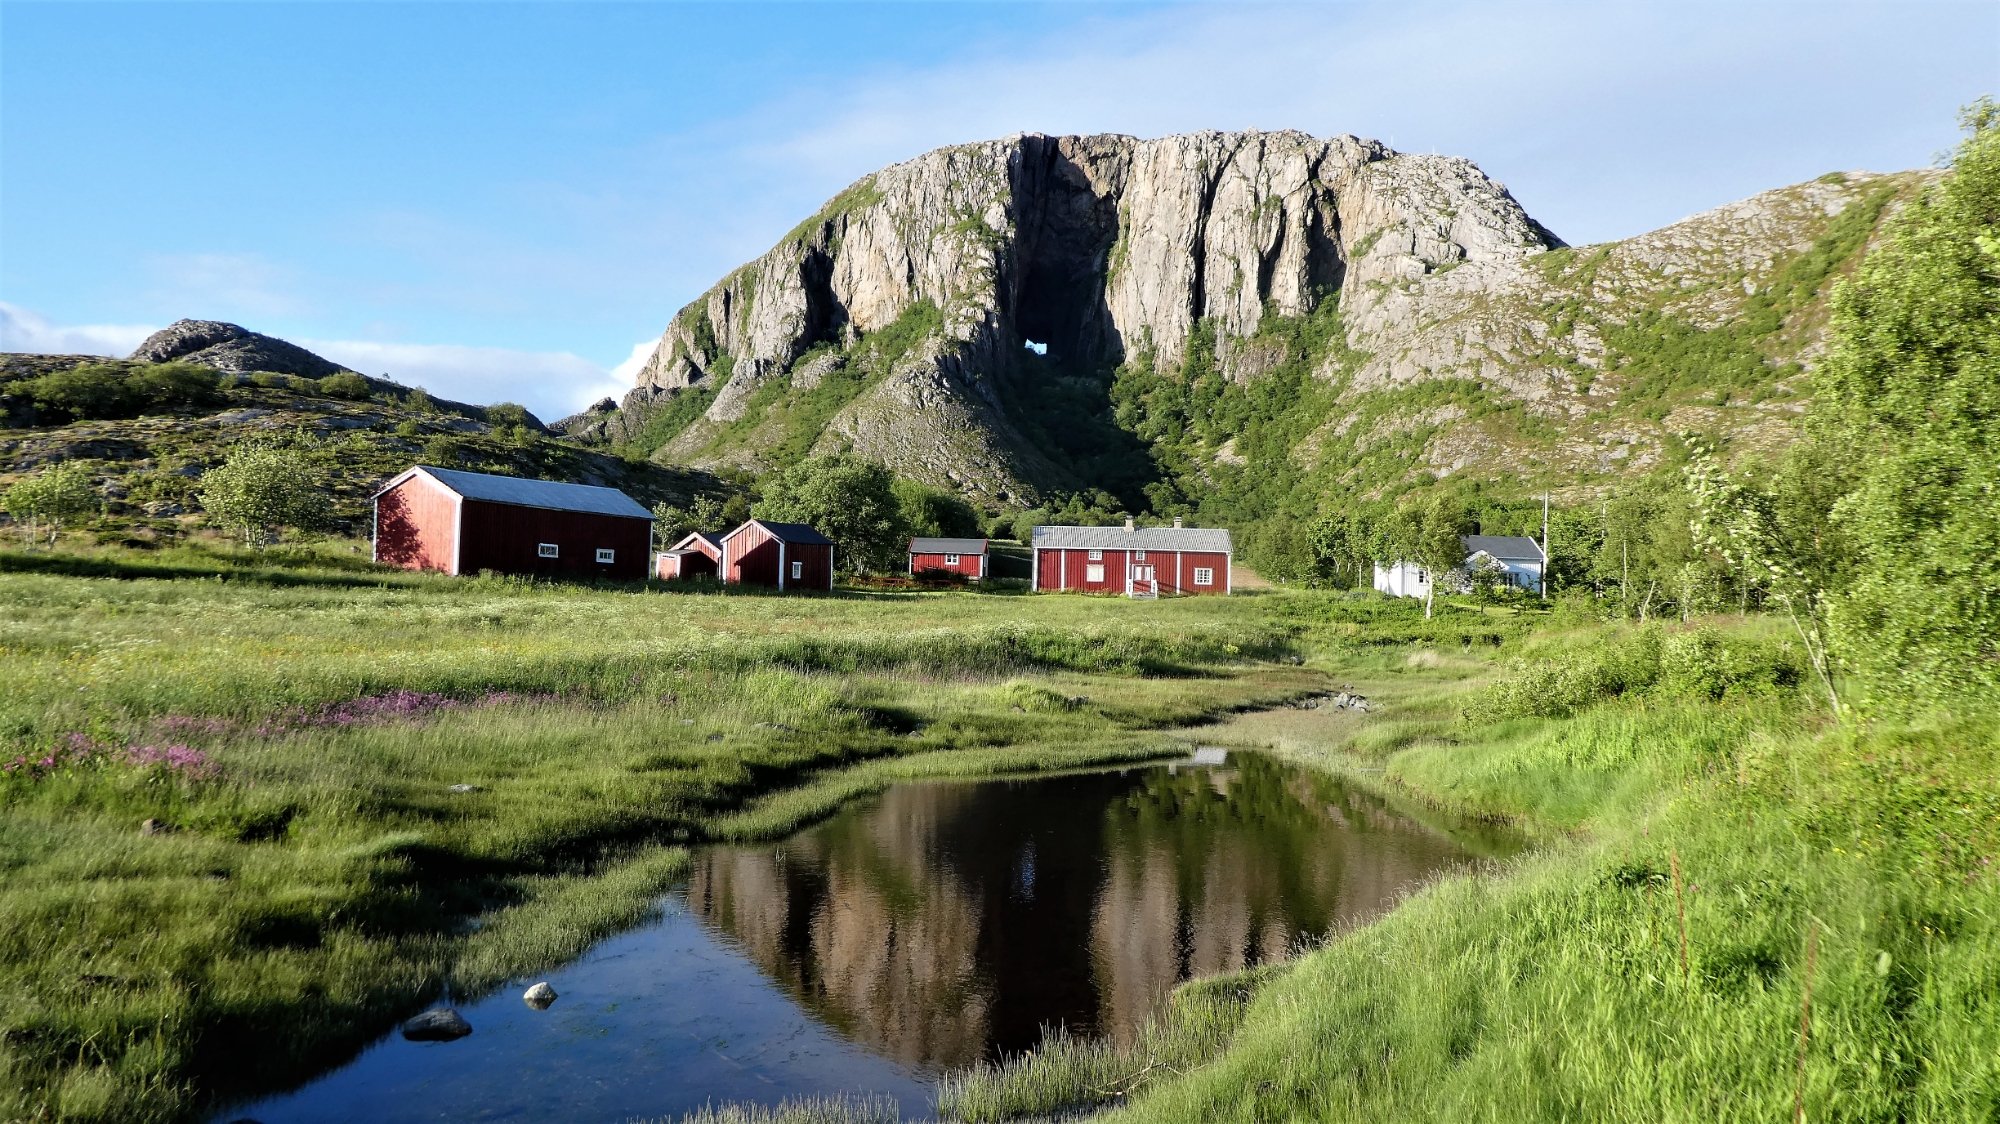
464	522
779	555
1134	561
697	556
964	557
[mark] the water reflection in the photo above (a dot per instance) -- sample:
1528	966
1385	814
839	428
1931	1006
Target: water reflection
942	923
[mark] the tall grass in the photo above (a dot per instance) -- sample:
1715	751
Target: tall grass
336	777
1838	875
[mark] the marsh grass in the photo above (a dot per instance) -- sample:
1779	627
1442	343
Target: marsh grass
423	784
1705	861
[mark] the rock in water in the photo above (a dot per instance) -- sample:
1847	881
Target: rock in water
439	1024
540	996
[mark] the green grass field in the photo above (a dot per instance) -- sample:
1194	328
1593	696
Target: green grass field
295	725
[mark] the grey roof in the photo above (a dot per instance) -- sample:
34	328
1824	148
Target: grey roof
1145	538
711	539
549	495
1507	548
802	534
947	546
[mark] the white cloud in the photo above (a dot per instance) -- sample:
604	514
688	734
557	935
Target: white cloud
627	371
23	330
553	384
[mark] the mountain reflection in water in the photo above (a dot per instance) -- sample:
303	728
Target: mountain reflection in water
940	924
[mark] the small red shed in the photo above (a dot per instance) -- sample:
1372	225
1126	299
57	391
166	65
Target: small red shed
778	555
697	556
964	557
464	522
1134	561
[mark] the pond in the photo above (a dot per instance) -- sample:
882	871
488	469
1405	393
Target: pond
933	926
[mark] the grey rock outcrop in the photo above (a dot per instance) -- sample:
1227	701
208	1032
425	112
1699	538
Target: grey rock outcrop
1094	246
228	347
1100	248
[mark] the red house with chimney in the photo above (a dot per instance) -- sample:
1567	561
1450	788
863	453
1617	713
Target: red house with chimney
1132	561
965	558
464	522
781	556
697	556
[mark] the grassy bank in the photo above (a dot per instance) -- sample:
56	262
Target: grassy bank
359	789
1740	912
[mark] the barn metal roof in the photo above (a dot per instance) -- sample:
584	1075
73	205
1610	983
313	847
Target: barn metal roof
549	495
947	546
799	534
1214	539
1507	548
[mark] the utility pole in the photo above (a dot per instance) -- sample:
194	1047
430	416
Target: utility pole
1543	584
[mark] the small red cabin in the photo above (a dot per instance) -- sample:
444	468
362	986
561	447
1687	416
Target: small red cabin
464	522
778	555
964	557
1134	561
697	556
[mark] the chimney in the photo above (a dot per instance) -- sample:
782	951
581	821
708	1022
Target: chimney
1177	522
1129	525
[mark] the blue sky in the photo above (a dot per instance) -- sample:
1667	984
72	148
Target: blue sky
508	201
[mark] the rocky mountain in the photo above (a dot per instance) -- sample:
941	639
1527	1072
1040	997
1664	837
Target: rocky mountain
229	348
1171	319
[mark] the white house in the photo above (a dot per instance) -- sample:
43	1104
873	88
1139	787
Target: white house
1517	558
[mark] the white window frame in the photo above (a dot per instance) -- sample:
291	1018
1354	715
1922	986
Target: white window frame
547	550
1204	575
1096	556
607	555
1093	572
798	570
951	559
1138	556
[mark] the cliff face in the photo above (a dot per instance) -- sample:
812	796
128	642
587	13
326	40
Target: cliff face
895	322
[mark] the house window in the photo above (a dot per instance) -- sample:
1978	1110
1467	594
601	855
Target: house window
1203	575
1422	577
545	550
951	559
798	570
1093	573
604	555
1138	556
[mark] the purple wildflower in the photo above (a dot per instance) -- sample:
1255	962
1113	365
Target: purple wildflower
178	760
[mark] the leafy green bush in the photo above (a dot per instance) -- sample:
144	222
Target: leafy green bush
97	391
345	384
262	487
50	497
1702	664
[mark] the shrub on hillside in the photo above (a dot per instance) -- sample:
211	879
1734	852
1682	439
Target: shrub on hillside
98	391
48	499
1701	664
345	384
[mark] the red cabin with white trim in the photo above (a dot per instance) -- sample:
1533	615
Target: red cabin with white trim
963	557
781	556
697	556
464	522
1133	561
